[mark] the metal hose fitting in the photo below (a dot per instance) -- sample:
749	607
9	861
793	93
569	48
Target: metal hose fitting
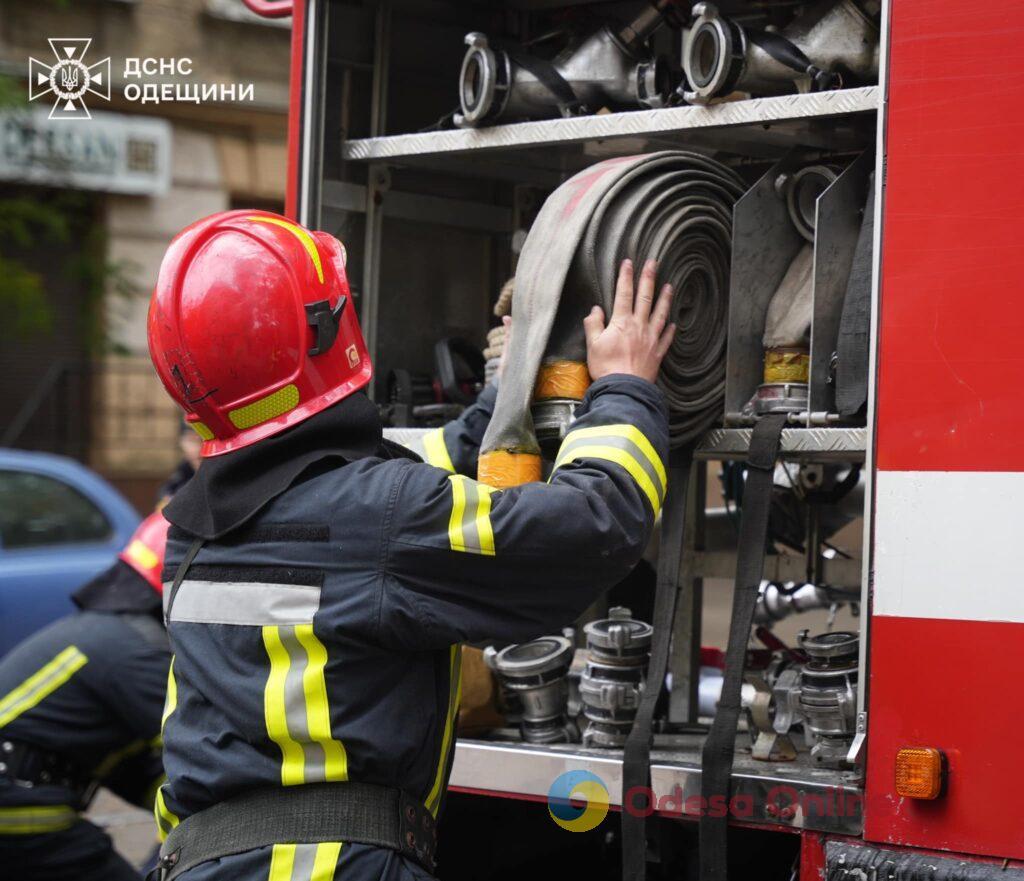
537	673
828	694
826	46
611	685
611	67
801	191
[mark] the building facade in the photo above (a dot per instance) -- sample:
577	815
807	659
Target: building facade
74	372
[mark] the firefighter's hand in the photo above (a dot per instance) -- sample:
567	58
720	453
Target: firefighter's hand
637	338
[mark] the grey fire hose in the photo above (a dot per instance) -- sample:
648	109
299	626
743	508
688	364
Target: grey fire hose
673	206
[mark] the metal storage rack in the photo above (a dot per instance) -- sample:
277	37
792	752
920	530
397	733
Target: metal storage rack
762	127
542	154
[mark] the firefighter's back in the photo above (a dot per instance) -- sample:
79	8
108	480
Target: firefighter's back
282	675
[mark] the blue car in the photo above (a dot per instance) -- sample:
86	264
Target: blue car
60	524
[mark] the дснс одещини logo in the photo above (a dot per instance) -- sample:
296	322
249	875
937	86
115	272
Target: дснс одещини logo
68	79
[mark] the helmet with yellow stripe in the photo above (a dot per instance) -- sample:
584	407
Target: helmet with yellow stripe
252	329
145	550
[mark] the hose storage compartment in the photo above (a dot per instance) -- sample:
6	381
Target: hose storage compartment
674	206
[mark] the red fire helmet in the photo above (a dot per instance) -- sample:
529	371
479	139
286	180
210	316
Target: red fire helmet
145	552
252	329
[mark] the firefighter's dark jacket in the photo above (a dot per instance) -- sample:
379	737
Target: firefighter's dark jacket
319	639
88	690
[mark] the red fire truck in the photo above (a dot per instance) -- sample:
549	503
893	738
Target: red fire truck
432	163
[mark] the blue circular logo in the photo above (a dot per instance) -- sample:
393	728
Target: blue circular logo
578	801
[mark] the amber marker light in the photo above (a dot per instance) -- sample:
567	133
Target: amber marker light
919	772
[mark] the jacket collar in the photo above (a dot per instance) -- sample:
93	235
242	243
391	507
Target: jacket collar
117	589
228	490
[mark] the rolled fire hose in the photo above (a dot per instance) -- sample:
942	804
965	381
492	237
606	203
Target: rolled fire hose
788	321
673	206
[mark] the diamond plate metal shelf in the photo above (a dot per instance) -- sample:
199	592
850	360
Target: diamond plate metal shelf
756	127
829	801
798	444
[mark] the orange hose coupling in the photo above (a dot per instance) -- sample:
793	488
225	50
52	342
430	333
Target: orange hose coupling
562	379
504	468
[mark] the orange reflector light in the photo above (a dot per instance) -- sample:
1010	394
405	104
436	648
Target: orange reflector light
919	772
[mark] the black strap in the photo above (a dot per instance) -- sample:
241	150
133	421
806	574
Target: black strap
364	813
549	77
792	56
853	346
636	760
717	757
179	576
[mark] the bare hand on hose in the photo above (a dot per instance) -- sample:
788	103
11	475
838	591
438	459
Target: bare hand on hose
636	339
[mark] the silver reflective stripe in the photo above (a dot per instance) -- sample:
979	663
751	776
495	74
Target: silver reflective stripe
470	532
416	445
248	603
304	862
305	859
410	438
619	443
36	820
315	760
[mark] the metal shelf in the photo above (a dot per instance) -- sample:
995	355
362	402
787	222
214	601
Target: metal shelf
760	127
819	799
798	444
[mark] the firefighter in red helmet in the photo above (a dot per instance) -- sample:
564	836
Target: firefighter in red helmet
320	580
81	704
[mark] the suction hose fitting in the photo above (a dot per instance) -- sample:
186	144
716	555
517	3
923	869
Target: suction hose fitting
610	67
829	45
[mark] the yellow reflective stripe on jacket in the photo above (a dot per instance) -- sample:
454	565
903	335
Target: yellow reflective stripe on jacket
149	796
318	714
295	706
624	445
469	526
37	819
629	432
166	819
171	701
433	800
40	684
304	862
435	451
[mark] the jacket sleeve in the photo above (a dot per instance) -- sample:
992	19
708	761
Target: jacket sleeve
465	562
456	445
137	776
137	691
